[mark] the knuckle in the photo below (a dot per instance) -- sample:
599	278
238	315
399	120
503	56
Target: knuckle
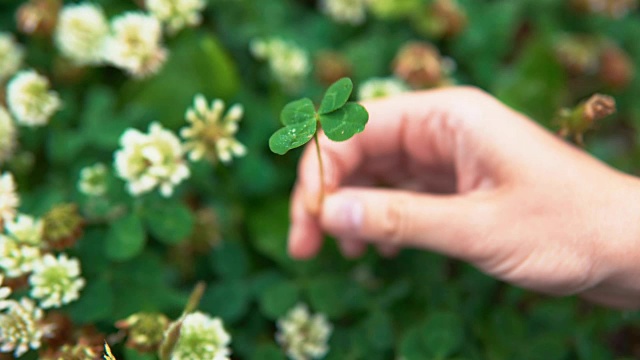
394	223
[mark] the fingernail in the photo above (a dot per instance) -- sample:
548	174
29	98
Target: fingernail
343	215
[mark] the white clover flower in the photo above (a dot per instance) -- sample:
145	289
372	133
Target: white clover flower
7	137
376	88
80	33
9	199
302	335
210	134
352	12
288	63
93	180
55	282
15	259
202	337
19	246
177	14
135	44
25	229
151	160
19	327
5	292
30	100
11	56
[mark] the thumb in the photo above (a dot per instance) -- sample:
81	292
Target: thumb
450	224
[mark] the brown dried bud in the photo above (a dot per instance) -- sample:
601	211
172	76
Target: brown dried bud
145	330
61	329
575	122
331	66
616	68
63	226
598	107
38	17
419	64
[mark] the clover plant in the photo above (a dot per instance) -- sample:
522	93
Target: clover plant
339	118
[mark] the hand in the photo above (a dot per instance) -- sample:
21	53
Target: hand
457	172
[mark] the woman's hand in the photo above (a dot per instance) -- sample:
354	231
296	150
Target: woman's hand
457	172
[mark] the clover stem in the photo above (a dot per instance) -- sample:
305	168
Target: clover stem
321	198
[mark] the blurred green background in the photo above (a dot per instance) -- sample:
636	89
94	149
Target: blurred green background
233	220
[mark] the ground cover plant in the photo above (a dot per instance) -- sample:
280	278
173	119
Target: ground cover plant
141	205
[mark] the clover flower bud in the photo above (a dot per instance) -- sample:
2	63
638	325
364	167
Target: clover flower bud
93	180
145	331
353	12
611	8
63	226
579	54
11	56
303	336
135	44
38	17
147	161
331	66
210	133
30	100
56	281
616	67
440	19
81	32
19	327
177	14
376	88
201	337
419	64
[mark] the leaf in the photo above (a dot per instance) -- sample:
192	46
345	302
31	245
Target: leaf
342	124
329	295
95	303
277	299
228	300
378	329
336	96
170	222
229	260
126	238
299	118
443	334
298	112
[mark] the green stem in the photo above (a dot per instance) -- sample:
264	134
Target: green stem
321	198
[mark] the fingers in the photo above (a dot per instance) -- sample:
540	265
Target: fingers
450	224
305	236
422	126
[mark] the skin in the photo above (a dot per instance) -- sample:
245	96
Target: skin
456	172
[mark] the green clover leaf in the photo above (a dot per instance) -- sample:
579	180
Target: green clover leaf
336	96
299	118
342	124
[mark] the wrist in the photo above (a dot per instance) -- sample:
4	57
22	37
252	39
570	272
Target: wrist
617	248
